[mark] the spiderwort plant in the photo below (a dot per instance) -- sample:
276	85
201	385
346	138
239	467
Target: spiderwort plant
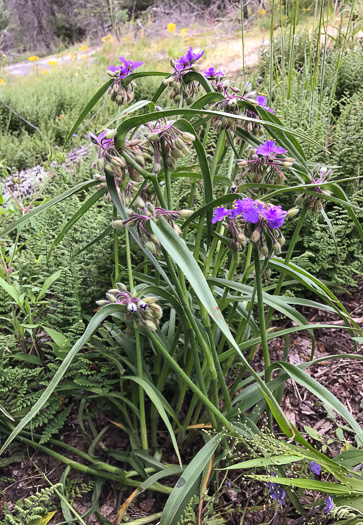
204	261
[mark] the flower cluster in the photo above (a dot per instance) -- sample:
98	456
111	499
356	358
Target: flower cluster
182	66
175	143
255	220
320	175
118	92
235	102
33	58
212	74
265	162
107	38
277	492
140	219
146	312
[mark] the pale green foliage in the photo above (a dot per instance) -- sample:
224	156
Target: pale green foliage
32	508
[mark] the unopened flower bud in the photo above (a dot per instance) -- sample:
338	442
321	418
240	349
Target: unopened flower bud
111	133
242	162
300	200
186	213
158	312
150	246
188	137
150	325
113	291
292	212
282	240
276	248
150	299
154	137
102	303
139	202
100	163
264	250
169	80
177	154
177	229
111	298
242	238
255	237
117	225
121	287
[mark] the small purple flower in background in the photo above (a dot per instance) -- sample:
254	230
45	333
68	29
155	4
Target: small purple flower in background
269	148
220	213
277	492
329	504
75	135
250	210
275	217
262	101
315	467
211	72
188	59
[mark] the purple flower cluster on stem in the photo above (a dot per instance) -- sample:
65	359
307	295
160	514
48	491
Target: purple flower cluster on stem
262	101
253	212
187	60
211	73
128	66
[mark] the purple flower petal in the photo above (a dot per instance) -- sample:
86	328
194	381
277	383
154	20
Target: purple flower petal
211	72
315	467
275	216
329	504
261	100
268	148
250	210
220	213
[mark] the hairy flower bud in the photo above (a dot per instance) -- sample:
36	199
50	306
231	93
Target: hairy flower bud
255	237
102	303
157	310
292	212
111	133
154	137
100	163
150	325
186	213
121	287
188	137
264	250
276	248
117	225
111	298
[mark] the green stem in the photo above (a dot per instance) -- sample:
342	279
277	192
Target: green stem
261	314
115	245
290	250
209	405
169	196
143	428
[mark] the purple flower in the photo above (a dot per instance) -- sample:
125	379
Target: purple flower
262	101
75	135
275	217
188	59
236	208
315	467
277	492
268	148
329	504
250	210
220	213
128	67
211	72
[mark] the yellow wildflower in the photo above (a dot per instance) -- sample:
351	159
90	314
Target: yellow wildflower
45	71
2	81
33	58
171	28
107	38
83	48
73	56
183	31
52	62
263	11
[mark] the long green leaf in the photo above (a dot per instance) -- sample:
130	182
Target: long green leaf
9	289
79	213
40	209
155	396
311	484
48	283
188	484
95	322
265	462
99	238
